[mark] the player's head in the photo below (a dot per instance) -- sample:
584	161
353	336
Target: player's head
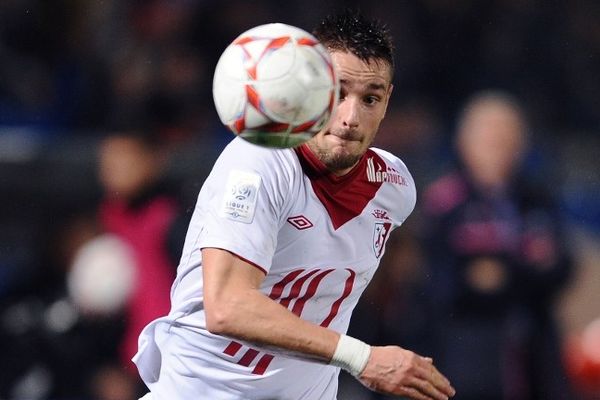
491	137
349	31
362	52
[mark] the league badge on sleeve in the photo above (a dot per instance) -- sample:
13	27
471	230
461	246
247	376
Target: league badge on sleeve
241	194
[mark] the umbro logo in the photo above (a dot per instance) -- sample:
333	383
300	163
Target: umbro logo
300	222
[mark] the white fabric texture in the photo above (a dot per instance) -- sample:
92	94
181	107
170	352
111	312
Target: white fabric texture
316	269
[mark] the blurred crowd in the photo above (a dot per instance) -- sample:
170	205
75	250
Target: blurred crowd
107	130
68	65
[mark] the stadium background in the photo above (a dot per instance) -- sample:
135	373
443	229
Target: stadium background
68	67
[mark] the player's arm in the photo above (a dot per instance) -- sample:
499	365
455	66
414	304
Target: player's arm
236	308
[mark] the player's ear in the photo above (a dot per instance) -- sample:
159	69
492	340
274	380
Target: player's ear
388	94
389	91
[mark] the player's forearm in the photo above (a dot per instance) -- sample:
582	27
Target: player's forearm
253	317
235	308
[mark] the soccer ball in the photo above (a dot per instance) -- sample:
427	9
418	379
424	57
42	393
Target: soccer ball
275	86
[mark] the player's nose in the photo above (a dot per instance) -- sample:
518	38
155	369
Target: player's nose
349	113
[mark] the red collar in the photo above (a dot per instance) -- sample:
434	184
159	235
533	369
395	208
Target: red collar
344	197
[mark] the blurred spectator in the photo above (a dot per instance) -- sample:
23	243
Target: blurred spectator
110	383
498	260
50	348
583	360
106	274
141	208
66	64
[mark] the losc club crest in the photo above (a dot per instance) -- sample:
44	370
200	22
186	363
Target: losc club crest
380	235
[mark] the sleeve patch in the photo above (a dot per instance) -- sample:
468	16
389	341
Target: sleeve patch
241	195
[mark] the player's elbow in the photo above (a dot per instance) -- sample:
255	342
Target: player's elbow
220	318
216	323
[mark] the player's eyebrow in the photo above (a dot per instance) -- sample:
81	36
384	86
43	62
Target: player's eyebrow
376	86
370	86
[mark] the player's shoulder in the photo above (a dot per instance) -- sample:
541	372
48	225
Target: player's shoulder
395	175
242	154
394	163
275	171
240	147
390	159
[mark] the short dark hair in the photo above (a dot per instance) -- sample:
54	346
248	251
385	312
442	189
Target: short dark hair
351	31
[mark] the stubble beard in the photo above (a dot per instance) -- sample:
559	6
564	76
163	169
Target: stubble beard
335	161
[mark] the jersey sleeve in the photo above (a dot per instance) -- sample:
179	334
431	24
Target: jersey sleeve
242	202
404	197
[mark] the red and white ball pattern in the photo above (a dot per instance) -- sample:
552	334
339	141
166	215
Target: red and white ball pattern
275	85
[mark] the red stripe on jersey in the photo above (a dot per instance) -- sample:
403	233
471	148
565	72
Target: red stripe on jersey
344	197
310	292
248	357
232	348
335	307
296	287
279	286
263	364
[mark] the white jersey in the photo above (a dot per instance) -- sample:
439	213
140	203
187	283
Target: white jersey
317	237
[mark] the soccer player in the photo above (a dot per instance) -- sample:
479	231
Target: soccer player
280	247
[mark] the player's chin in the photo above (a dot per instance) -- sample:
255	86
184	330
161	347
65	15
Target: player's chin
347	152
342	158
349	149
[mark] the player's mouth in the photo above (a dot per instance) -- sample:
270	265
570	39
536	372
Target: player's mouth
344	137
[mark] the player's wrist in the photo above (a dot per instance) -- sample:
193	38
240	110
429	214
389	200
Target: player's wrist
351	355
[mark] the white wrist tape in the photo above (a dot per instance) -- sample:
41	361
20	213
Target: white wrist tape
351	355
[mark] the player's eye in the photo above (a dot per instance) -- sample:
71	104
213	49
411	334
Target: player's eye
371	100
342	95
